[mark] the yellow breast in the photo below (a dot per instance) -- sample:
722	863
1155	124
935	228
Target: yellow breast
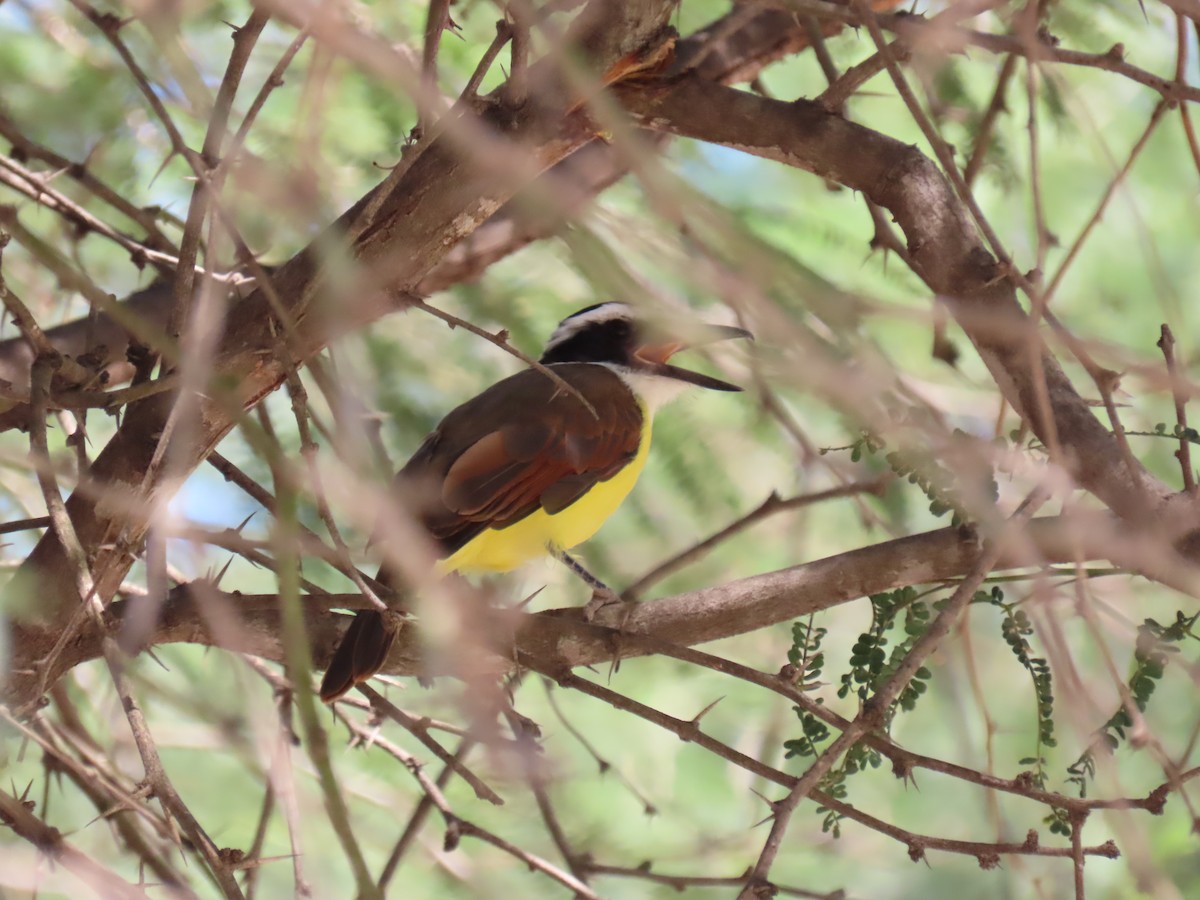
505	549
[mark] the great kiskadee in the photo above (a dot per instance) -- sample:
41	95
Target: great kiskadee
526	469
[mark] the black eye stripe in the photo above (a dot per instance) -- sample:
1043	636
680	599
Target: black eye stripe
596	342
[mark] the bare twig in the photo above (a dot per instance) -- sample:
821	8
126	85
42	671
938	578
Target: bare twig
208	183
1109	190
17	814
156	774
24	524
420	730
437	20
501	340
769	507
834	97
148	219
983	135
1166	343
419	815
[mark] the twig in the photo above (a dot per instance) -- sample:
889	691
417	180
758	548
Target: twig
501	340
64	530
298	663
1166	343
385	708
24	524
436	21
260	835
15	814
816	40
903	761
917	844
419	814
504	33
769	507
281	774
602	764
368	737
147	218
683	882
531	860
1077	858
916	28
337	556
102	784
875	709
541	795
34	186
517	91
1185	114
110	26
308	451
983	135
274	80
1041	230
1109	191
945	156
834	97
208	181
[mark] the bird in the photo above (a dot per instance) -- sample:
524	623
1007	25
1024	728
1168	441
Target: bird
534	465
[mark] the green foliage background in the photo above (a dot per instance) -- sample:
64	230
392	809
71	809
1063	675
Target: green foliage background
805	245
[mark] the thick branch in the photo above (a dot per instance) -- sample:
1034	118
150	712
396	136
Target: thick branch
560	638
732	49
442	197
946	251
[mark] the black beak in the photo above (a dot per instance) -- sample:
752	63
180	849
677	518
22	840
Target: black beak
702	336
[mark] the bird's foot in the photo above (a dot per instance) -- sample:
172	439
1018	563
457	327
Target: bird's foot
602	598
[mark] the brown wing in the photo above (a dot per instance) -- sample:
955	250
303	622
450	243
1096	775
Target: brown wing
524	444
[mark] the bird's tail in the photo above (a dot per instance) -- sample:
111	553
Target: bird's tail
360	655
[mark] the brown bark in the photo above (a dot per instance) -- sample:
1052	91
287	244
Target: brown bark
440	199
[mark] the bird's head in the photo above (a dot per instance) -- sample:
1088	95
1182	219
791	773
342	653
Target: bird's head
619	335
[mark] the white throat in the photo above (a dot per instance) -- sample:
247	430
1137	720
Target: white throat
654	391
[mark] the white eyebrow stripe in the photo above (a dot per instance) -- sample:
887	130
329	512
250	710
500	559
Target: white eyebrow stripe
572	325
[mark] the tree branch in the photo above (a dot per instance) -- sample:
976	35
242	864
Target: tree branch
446	193
560	638
945	249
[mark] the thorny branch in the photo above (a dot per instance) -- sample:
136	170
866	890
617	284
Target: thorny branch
416	235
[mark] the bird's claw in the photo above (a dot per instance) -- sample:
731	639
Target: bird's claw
602	597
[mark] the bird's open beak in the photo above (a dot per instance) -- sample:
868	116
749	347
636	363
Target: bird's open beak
656	354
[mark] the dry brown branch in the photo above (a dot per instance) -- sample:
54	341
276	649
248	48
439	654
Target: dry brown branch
424	223
479	178
385	709
987	853
561	637
943	243
17	815
148	219
769	507
1166	343
207	184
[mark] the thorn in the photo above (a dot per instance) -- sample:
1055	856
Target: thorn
524	603
150	653
761	796
225	568
704	712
